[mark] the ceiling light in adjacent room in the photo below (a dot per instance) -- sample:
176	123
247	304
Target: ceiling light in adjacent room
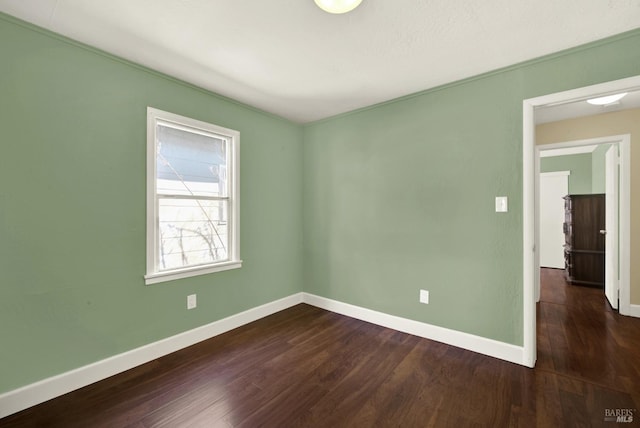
609	99
337	6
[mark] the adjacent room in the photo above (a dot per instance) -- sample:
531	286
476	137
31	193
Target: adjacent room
319	213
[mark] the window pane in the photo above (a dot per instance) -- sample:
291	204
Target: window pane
189	163
192	232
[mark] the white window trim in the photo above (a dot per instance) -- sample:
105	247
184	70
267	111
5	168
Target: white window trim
153	275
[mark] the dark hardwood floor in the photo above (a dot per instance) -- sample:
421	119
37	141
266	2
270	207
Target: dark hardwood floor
306	367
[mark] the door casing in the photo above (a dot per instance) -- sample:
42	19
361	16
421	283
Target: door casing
530	172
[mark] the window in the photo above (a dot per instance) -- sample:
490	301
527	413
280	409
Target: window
192	197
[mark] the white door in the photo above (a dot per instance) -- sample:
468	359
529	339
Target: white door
553	187
611	222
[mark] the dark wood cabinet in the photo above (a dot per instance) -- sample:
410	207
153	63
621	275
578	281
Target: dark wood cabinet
584	224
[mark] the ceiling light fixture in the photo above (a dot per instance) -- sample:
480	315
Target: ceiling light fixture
609	99
337	6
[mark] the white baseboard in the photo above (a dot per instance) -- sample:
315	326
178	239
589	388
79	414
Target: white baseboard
35	393
481	345
633	311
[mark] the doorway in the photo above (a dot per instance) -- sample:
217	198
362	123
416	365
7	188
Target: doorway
554	186
531	232
586	268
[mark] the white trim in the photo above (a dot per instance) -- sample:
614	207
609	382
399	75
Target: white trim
568	151
624	228
153	274
633	311
609	139
193	271
38	392
530	166
611	220
481	345
555	174
528	197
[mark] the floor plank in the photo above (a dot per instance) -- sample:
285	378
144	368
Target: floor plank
306	367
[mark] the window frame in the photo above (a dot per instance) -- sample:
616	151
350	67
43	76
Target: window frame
153	274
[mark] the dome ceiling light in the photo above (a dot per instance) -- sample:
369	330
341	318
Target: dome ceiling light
609	99
337	6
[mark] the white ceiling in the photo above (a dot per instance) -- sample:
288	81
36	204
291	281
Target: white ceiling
290	58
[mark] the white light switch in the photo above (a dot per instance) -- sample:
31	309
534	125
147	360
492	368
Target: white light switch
191	301
502	204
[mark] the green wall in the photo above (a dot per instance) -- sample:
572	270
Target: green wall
400	197
580	179
73	210
366	208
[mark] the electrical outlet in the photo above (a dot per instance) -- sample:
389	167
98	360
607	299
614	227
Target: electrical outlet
424	296
192	301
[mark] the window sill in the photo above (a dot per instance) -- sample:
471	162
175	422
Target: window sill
155	278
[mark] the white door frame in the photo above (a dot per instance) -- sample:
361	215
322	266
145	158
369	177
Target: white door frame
612	233
530	169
